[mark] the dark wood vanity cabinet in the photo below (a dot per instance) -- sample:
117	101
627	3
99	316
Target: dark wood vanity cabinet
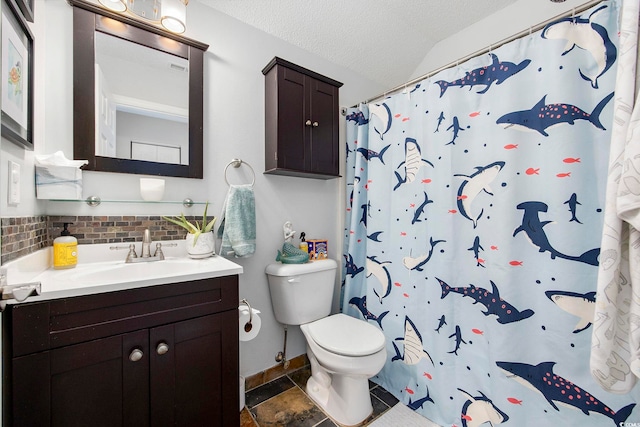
301	122
165	355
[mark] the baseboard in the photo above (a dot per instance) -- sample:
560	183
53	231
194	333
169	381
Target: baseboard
274	372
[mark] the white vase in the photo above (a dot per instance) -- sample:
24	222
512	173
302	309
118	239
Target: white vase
203	247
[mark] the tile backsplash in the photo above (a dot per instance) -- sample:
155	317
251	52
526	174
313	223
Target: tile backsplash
24	235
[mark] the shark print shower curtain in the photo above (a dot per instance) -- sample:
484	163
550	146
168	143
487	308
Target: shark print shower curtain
473	227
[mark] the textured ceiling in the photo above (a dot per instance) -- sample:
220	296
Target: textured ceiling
384	40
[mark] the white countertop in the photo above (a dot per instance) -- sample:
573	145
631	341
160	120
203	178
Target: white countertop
101	269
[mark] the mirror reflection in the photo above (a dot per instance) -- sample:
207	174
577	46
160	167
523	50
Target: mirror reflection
142	102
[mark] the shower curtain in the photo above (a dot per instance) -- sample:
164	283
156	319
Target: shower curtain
472	235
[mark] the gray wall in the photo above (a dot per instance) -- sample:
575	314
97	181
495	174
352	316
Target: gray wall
234	127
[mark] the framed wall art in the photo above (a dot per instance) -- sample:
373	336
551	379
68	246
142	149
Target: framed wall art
16	118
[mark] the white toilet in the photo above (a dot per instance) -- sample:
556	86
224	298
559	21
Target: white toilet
344	351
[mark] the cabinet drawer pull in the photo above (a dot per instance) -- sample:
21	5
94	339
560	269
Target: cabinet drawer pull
315	124
162	348
308	123
136	355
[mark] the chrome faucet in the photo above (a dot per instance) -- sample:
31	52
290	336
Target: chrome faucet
146	244
145	253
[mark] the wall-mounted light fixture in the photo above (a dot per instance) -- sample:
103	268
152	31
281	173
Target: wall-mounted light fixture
174	15
115	5
147	9
170	14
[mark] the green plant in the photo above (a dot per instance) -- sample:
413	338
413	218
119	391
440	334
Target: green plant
196	228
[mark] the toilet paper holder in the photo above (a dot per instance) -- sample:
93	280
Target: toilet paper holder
248	326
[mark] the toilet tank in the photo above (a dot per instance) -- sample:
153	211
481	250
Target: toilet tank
301	293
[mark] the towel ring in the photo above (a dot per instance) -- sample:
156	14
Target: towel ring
236	163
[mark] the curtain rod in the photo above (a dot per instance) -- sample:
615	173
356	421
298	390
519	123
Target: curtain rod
487	49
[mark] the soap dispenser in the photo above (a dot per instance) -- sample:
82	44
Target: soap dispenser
303	243
65	250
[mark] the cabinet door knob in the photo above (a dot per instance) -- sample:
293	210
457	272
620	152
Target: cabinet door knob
315	124
162	348
136	355
308	123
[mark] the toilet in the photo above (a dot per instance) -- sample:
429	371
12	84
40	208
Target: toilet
344	352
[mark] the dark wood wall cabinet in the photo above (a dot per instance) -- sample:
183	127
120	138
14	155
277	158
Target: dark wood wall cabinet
164	355
301	122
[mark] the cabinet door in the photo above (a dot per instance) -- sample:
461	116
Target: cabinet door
90	384
293	133
323	150
194	372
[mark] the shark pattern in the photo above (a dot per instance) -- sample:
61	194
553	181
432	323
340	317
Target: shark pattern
382	114
441	322
458	335
370	154
412	162
476	248
361	305
587	35
581	305
533	228
351	268
543	116
377	269
375	236
556	389
357	117
478	410
348	151
420	209
414	351
440	120
456	128
414	405
573	204
473	185
365	213
498	71
417	263
494	304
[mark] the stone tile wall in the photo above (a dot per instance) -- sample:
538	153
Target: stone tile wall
24	235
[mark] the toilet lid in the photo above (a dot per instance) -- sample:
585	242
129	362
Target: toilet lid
346	335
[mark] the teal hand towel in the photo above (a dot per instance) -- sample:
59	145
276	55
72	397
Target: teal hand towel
238	223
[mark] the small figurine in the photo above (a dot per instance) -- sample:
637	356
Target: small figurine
290	254
287	228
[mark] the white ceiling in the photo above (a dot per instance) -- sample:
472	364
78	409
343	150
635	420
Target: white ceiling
384	40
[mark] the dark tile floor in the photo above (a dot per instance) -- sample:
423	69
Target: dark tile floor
283	402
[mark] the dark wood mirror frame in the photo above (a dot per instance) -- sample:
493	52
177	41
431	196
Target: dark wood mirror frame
89	18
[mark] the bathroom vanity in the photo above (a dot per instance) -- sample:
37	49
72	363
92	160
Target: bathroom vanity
152	355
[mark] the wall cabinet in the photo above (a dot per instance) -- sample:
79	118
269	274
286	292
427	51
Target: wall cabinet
301	122
165	355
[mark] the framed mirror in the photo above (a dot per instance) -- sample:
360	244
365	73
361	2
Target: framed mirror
137	96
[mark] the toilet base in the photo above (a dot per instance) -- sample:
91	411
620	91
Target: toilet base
346	399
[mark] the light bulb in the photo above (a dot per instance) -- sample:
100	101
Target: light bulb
174	15
115	5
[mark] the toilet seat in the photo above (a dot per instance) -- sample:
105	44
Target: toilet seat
346	335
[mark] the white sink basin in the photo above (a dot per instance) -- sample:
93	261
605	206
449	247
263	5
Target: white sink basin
100	270
92	274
